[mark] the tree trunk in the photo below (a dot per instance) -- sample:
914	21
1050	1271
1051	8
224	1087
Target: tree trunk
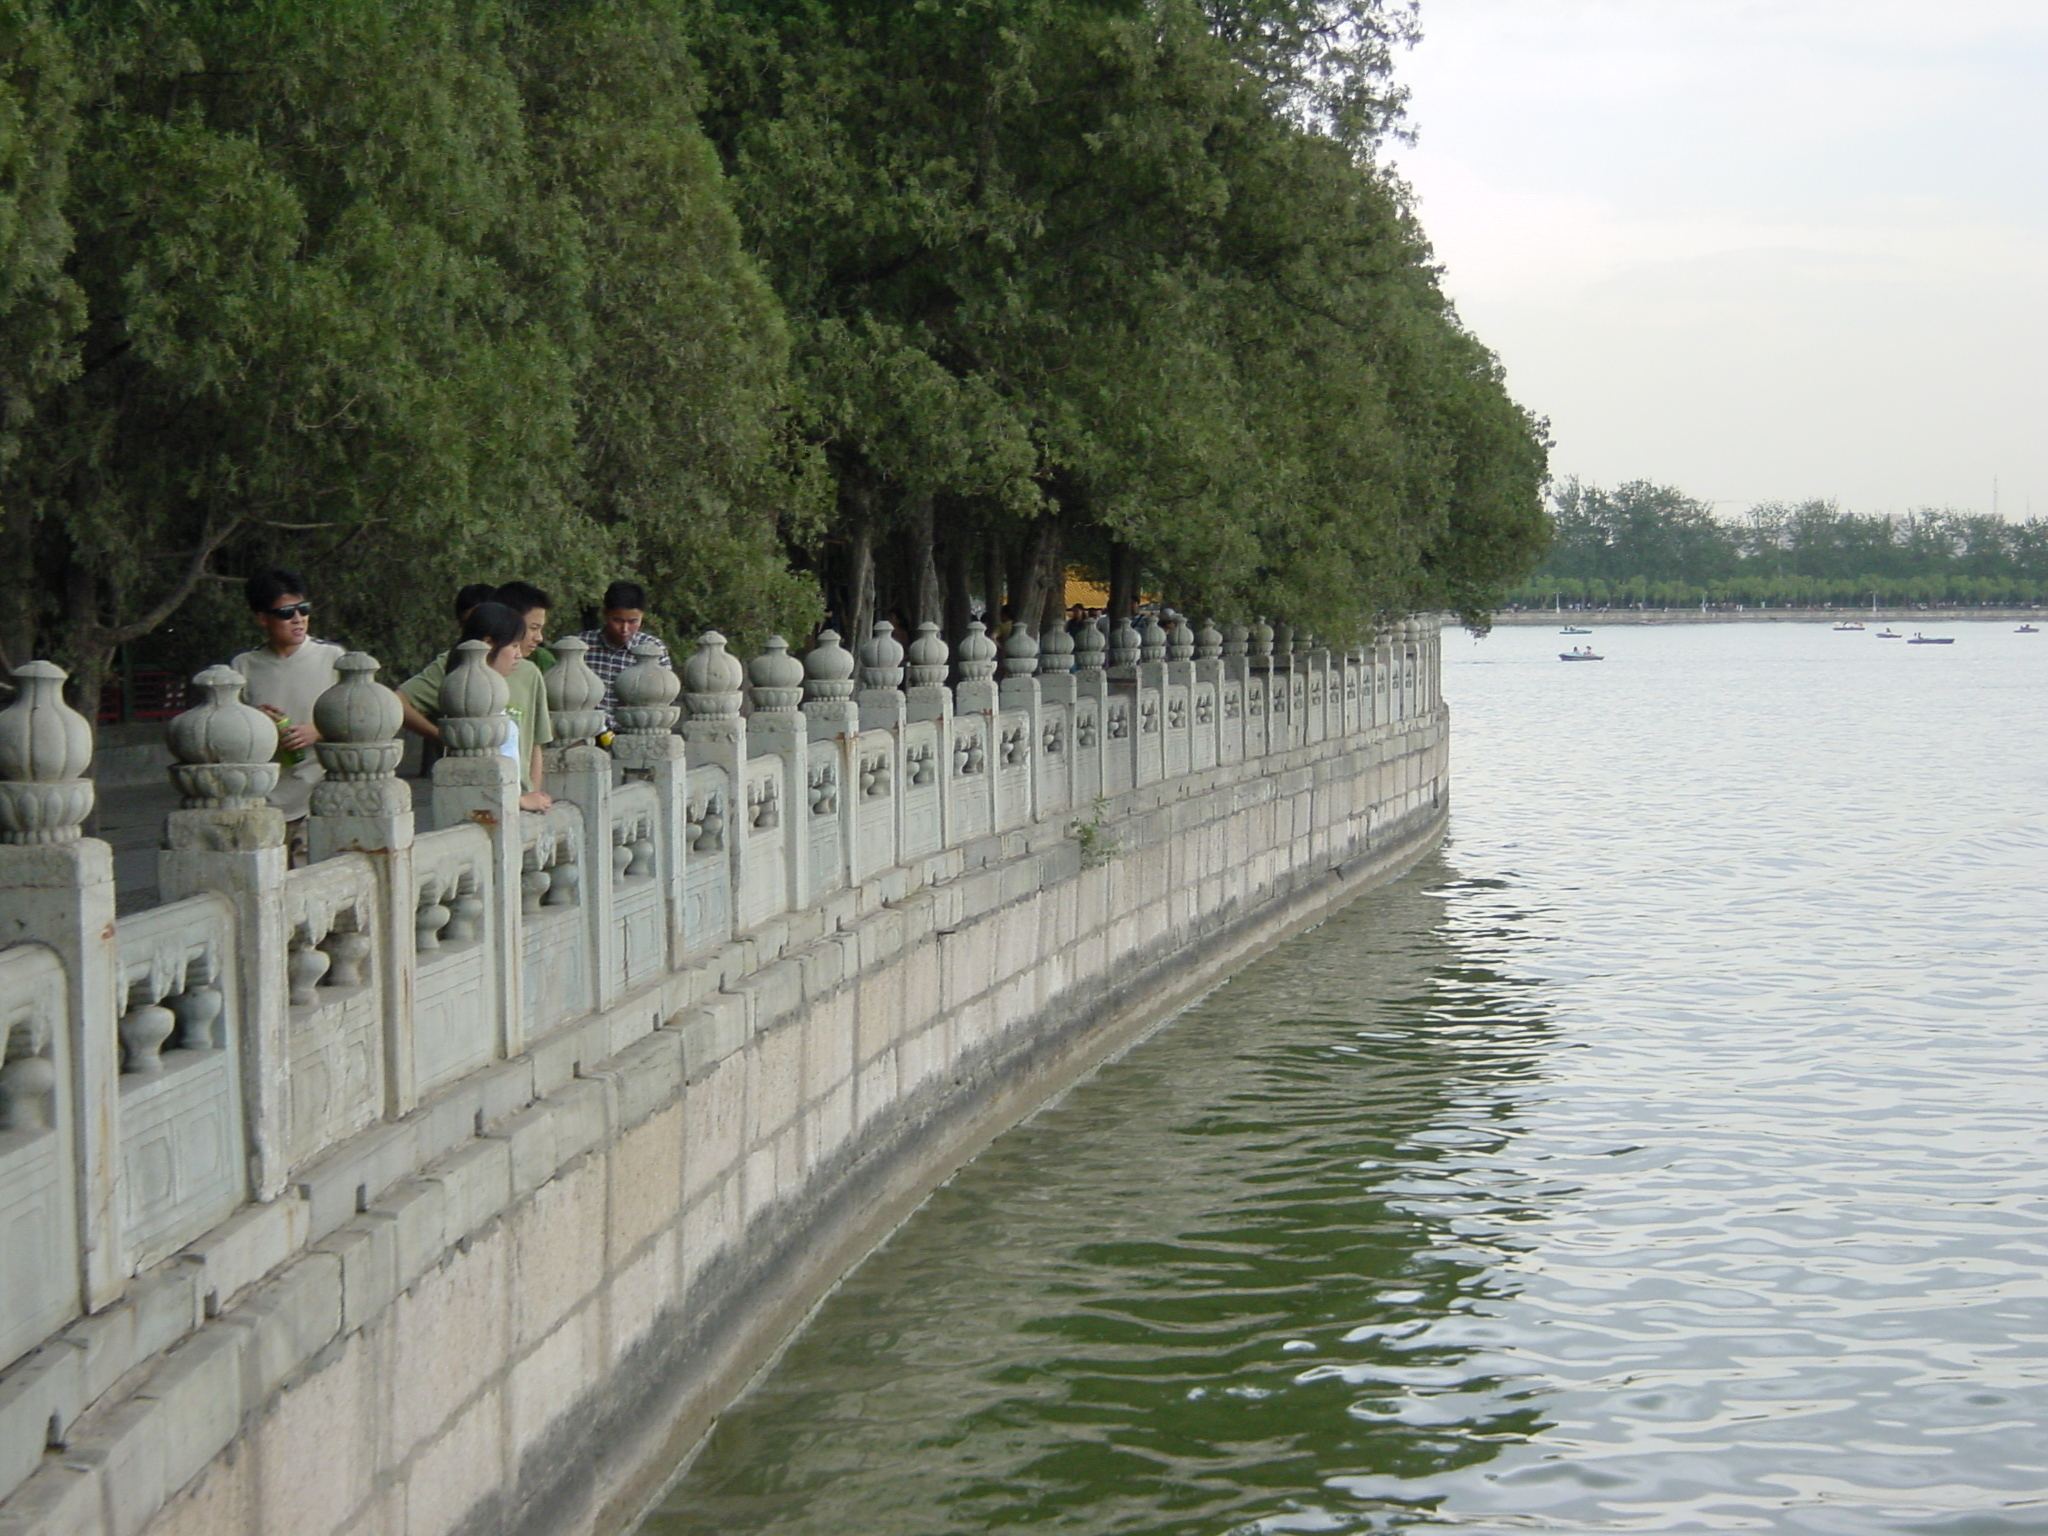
1053	607
959	593
860	584
991	579
921	593
1038	552
1123	581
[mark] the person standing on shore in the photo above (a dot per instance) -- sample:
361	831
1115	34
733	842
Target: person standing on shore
284	676
613	645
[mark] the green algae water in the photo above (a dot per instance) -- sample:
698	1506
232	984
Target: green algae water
1666	1154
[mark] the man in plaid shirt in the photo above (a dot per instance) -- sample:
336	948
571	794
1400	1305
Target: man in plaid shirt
618	642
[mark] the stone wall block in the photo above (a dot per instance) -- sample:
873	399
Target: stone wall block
644	1173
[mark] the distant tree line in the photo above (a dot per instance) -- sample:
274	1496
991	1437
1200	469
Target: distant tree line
881	307
1652	545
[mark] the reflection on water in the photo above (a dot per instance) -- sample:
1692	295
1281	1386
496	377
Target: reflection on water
1666	1156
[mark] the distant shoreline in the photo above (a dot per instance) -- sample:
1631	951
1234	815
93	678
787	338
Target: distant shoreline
1921	617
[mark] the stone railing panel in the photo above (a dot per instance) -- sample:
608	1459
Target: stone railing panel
557	964
764	880
1119	743
454	1028
824	835
181	1110
922	790
707	915
1016	758
637	884
1054	775
38	1179
334	1032
1180	719
1205	718
1084	749
877	768
971	790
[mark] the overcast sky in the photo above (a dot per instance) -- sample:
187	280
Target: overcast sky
1754	250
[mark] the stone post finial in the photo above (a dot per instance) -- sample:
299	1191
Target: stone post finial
1261	642
1020	651
711	679
224	747
776	679
575	695
881	658
1125	645
1056	651
828	671
358	747
644	695
1236	640
1208	641
1090	646
45	748
1151	639
1283	642
473	700
977	655
1180	640
928	656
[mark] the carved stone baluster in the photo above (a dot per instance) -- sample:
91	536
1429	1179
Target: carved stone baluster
198	1005
348	949
28	1083
305	967
145	1027
429	918
465	912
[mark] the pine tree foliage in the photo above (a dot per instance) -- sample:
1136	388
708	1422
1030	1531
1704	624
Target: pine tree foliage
777	305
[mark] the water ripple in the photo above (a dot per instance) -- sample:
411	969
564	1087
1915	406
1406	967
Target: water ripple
1666	1156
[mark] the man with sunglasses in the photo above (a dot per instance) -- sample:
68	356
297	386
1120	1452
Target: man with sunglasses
285	675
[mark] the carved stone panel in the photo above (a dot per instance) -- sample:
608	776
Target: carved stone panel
38	1211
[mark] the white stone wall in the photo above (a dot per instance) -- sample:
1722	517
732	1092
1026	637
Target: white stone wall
486	1278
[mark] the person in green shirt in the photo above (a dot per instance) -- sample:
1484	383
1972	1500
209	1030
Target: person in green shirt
505	631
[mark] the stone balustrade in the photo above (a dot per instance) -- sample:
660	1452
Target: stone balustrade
203	1088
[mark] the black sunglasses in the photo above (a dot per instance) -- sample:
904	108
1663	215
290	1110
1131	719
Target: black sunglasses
288	611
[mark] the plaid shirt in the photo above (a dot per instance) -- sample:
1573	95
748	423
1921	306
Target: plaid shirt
608	662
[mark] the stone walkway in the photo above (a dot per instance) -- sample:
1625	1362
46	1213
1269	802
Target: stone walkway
131	817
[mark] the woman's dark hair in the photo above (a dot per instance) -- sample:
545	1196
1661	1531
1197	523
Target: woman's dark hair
494	624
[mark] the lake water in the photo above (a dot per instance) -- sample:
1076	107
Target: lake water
1665	1155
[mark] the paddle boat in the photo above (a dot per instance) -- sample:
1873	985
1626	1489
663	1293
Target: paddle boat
1920	639
1851	625
2026	629
1572	629
1580	653
1889	634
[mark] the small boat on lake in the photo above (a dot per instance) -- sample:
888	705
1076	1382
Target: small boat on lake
1851	625
1574	630
1920	639
1580	653
2026	629
1889	634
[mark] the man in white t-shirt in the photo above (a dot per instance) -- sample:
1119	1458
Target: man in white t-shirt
286	674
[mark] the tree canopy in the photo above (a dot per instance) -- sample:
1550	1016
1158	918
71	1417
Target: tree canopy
778	305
